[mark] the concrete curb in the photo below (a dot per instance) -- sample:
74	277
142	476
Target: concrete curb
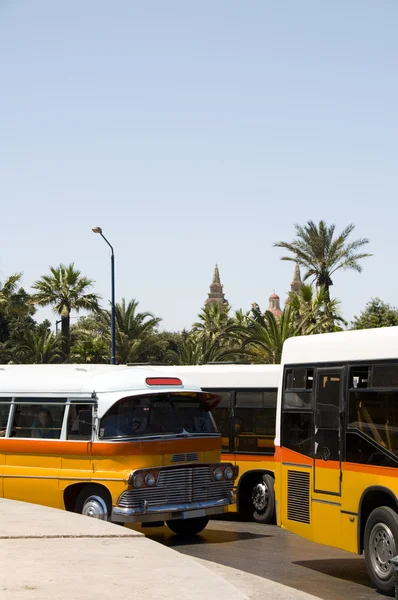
52	553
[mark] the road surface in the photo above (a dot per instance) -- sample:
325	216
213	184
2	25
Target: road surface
270	552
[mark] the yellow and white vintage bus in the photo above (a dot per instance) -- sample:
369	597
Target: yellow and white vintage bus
246	419
117	443
337	444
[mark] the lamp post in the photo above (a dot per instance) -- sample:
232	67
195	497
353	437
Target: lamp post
113	322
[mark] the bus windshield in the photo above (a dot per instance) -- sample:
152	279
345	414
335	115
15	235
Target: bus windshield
160	414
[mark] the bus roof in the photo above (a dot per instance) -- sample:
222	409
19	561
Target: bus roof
69	380
359	345
226	376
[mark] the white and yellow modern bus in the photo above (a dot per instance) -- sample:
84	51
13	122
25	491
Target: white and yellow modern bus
126	444
337	444
246	418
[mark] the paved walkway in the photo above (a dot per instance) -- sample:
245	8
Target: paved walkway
48	553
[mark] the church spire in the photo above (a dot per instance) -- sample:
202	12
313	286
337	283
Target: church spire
216	294
216	275
296	284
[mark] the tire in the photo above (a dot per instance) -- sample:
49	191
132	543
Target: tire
187	527
381	543
260	503
94	502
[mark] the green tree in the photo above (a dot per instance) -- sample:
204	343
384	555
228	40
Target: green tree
38	346
14	305
133	329
213	321
266	334
321	254
312	309
65	289
376	314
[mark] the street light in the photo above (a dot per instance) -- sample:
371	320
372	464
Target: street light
113	323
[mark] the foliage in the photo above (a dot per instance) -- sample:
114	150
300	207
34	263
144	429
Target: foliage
65	289
321	254
313	309
38	346
376	314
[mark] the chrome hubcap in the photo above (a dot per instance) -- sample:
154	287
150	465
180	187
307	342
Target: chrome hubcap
96	508
382	549
260	497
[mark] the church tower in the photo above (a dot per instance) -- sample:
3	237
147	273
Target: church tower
216	294
296	284
274	305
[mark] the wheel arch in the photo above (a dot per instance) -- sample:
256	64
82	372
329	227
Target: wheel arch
373	497
72	492
247	479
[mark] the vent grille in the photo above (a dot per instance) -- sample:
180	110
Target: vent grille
187	457
178	485
298	496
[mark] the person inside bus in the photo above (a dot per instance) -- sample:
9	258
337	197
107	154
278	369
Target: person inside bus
43	426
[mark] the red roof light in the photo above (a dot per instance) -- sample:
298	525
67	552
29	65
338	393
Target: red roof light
163	381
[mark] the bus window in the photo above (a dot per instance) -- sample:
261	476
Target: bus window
299	379
254	423
297	432
385	376
375	414
194	417
4	410
80	422
222	417
38	420
154	415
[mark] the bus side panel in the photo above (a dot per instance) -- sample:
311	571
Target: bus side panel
295	511
32	477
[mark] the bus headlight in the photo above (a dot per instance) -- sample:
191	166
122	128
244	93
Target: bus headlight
138	480
218	473
150	479
228	472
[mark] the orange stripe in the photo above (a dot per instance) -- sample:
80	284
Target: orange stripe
76	448
286	455
371	469
327	464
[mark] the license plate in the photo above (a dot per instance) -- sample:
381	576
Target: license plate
191	514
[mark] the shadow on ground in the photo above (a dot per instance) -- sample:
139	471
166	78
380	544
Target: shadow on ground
349	569
209	536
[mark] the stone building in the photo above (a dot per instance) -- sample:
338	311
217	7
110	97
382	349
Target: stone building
216	294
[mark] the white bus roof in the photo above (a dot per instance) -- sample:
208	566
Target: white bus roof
70	380
359	345
219	376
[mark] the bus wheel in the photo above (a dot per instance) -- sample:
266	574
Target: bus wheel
93	502
262	500
187	527
380	543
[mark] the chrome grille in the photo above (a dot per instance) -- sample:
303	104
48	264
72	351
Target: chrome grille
185	457
298	496
178	485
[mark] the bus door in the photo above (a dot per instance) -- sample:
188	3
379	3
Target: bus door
328	434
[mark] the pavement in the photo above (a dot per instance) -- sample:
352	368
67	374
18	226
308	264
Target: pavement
47	553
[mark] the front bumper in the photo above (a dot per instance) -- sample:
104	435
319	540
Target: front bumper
167	512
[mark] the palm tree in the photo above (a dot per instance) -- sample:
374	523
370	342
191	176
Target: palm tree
39	347
90	348
322	255
132	329
312	308
201	350
65	288
213	321
264	338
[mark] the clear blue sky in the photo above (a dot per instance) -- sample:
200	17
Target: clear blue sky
195	133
